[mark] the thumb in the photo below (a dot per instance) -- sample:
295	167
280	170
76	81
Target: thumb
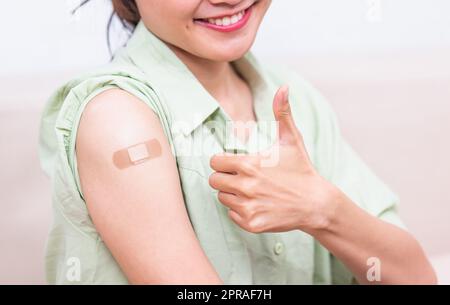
287	131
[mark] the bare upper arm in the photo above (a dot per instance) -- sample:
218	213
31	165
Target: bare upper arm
138	211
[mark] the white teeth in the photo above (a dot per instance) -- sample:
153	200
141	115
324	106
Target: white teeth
228	20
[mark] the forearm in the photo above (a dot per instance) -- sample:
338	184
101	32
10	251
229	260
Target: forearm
353	236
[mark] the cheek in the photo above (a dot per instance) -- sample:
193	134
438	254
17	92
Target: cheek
178	12
166	16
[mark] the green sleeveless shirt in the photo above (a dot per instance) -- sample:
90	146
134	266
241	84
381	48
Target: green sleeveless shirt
148	69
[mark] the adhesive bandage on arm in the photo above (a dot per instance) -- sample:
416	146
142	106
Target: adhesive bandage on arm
137	154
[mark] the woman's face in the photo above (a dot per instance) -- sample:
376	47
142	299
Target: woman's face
218	30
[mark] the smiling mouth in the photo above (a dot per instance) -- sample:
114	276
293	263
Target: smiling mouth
227	23
226	20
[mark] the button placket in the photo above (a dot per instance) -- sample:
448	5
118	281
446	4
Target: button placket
231	143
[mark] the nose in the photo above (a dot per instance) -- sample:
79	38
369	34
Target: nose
228	2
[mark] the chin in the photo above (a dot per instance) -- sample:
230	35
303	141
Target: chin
225	52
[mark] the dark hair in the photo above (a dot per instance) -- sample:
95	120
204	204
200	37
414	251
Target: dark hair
125	10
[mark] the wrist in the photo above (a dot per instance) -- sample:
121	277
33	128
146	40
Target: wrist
327	211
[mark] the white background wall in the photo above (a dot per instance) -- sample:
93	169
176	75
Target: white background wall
386	73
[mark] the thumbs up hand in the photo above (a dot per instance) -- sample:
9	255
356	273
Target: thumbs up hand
286	196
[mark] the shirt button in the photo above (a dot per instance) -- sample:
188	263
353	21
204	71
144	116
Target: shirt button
278	249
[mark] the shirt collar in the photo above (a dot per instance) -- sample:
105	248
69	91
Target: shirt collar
174	82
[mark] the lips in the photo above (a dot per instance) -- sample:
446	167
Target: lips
227	23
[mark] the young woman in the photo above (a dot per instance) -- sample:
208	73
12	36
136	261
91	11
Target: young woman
155	181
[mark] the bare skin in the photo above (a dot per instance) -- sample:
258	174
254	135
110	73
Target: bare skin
137	213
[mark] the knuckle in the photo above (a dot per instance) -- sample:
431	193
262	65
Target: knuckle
249	210
255	225
248	189
251	188
248	167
